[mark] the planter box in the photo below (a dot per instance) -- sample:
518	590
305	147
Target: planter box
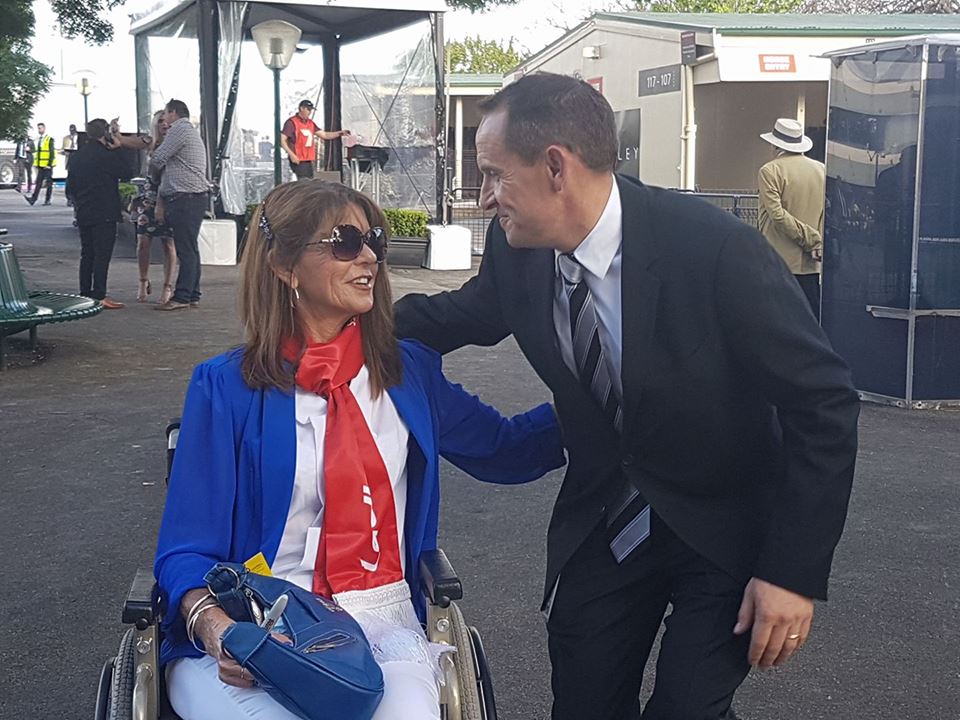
407	251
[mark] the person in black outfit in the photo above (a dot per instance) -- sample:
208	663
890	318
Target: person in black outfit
711	429
95	170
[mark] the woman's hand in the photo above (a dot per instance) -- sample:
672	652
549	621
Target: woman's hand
209	629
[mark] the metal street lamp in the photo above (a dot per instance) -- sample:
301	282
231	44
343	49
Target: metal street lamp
276	40
84	83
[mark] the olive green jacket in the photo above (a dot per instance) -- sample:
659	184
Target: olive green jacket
791	210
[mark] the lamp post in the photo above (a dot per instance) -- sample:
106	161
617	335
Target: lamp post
276	41
84	83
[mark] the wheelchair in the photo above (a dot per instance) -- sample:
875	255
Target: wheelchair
132	685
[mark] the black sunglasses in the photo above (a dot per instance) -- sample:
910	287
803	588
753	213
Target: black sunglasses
348	242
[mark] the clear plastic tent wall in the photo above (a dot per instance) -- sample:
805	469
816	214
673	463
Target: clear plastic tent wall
388	98
168	66
388	86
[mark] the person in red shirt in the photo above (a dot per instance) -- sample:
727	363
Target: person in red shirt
298	140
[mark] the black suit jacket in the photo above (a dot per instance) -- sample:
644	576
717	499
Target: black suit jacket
740	422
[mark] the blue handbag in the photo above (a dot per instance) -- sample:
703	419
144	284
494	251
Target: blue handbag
328	673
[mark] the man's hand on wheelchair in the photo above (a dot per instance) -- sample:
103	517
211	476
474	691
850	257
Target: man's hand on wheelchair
210	630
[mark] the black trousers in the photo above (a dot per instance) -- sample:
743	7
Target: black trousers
25	170
96	249
184	214
303	169
605	618
810	284
44	175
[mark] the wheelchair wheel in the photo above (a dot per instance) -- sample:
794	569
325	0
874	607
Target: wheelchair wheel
120	703
471	704
484	679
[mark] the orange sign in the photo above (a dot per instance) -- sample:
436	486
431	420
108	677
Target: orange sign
777	64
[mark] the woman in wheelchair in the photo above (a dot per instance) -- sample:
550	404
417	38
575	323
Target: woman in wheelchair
315	448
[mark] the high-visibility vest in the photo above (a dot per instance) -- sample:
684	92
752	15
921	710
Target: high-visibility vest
46	155
305	146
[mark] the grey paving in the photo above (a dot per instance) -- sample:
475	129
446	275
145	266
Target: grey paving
81	471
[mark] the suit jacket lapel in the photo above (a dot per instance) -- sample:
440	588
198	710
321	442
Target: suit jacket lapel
640	291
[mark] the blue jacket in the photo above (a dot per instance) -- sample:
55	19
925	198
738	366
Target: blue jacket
233	472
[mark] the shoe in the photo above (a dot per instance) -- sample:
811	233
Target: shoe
47	202
143	290
166	294
29	199
111	304
194	304
172	305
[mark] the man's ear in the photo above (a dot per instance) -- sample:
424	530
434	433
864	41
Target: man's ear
557	166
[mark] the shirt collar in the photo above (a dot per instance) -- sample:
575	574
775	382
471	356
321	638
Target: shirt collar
601	245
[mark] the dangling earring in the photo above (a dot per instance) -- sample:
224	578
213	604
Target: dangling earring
296	297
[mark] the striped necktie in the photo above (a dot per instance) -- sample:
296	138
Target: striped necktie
628	521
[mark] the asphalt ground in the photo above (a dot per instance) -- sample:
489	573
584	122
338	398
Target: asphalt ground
81	474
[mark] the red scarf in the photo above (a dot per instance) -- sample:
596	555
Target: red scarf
359	544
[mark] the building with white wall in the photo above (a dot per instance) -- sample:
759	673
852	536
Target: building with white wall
693	92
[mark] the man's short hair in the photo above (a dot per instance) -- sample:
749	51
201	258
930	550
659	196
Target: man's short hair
544	109
179	107
97	129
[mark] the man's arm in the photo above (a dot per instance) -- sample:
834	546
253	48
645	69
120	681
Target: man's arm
780	346
799	232
331	134
288	136
175	139
469	316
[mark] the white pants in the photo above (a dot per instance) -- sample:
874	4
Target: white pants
197	693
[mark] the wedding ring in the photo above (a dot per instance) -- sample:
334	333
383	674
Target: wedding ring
793	637
242	672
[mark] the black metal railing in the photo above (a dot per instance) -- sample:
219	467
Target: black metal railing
463	208
745	205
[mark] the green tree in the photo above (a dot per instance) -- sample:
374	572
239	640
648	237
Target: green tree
23	80
474	55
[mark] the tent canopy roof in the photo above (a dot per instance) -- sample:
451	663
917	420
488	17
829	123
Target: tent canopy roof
950	39
348	19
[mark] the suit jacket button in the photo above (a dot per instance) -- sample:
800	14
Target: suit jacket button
627	460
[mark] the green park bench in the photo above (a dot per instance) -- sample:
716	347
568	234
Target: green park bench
21	311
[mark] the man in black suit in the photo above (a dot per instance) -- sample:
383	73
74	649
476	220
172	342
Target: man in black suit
711	428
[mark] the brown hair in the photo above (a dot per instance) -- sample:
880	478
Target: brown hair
297	212
546	109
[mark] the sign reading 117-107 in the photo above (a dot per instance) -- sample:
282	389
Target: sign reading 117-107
660	80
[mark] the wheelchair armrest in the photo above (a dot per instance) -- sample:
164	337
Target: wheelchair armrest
438	578
140	609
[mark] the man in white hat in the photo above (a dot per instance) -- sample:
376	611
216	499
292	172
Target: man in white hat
791	206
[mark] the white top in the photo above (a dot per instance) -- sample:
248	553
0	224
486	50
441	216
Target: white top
600	256
301	535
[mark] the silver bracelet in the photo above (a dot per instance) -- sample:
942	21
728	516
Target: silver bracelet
197	604
191	624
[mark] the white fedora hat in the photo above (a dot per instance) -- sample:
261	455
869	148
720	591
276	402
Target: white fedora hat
788	135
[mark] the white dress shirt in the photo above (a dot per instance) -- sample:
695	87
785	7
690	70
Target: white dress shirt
297	553
600	256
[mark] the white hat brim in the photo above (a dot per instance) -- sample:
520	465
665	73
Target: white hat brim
800	147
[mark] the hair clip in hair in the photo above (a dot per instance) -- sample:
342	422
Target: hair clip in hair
265	227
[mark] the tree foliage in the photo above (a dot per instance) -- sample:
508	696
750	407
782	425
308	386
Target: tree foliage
478	5
23	80
726	6
475	55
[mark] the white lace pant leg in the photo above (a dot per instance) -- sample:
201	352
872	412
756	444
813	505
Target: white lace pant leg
197	693
410	692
